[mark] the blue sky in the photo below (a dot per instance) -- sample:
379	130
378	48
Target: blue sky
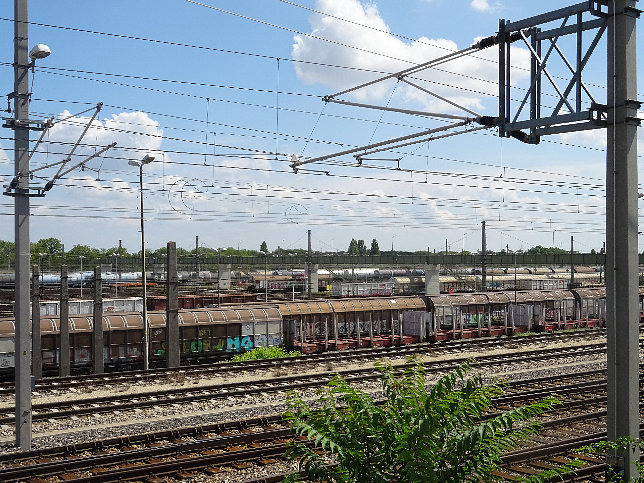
215	95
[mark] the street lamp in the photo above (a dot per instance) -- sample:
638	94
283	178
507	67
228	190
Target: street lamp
265	276
146	160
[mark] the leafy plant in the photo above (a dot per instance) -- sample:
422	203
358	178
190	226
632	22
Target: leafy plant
417	435
603	448
265	353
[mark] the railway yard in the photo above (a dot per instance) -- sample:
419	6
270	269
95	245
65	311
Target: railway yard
222	422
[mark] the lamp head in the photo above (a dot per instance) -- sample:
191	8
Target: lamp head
39	51
147	159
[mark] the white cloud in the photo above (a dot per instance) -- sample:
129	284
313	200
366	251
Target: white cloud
135	134
467	80
595	138
481	6
4	158
4	164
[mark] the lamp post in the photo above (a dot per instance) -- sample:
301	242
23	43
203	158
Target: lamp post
81	273
147	159
42	270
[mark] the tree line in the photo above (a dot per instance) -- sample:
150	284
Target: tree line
54	248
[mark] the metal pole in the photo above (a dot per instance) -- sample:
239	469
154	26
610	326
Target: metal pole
144	279
218	277
116	285
265	277
21	224
622	311
572	265
81	274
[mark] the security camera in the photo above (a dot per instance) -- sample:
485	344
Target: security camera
40	51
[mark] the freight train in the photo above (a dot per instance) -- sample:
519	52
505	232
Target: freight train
313	326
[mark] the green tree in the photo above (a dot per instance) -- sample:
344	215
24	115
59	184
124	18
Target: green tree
263	247
7	252
50	246
362	248
353	247
418	434
85	251
539	250
375	249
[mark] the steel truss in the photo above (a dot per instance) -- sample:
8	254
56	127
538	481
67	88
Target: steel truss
580	113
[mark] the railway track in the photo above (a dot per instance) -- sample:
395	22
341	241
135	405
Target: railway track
341	357
111	403
260	443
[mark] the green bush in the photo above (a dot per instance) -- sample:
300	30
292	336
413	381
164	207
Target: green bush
265	353
419	434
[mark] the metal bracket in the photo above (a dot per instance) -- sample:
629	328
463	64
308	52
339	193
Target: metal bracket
595	8
20	123
39	194
632	12
525	120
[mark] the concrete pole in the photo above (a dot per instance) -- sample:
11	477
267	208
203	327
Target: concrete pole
119	269
21	225
172	307
36	340
622	311
572	265
265	276
98	365
197	268
483	259
308	266
64	368
218	277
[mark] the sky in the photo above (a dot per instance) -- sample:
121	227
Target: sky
224	93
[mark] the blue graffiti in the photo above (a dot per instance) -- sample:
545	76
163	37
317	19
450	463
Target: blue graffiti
235	344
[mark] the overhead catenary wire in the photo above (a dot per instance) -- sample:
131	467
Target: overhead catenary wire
277	131
257	55
271	133
333	116
529	181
